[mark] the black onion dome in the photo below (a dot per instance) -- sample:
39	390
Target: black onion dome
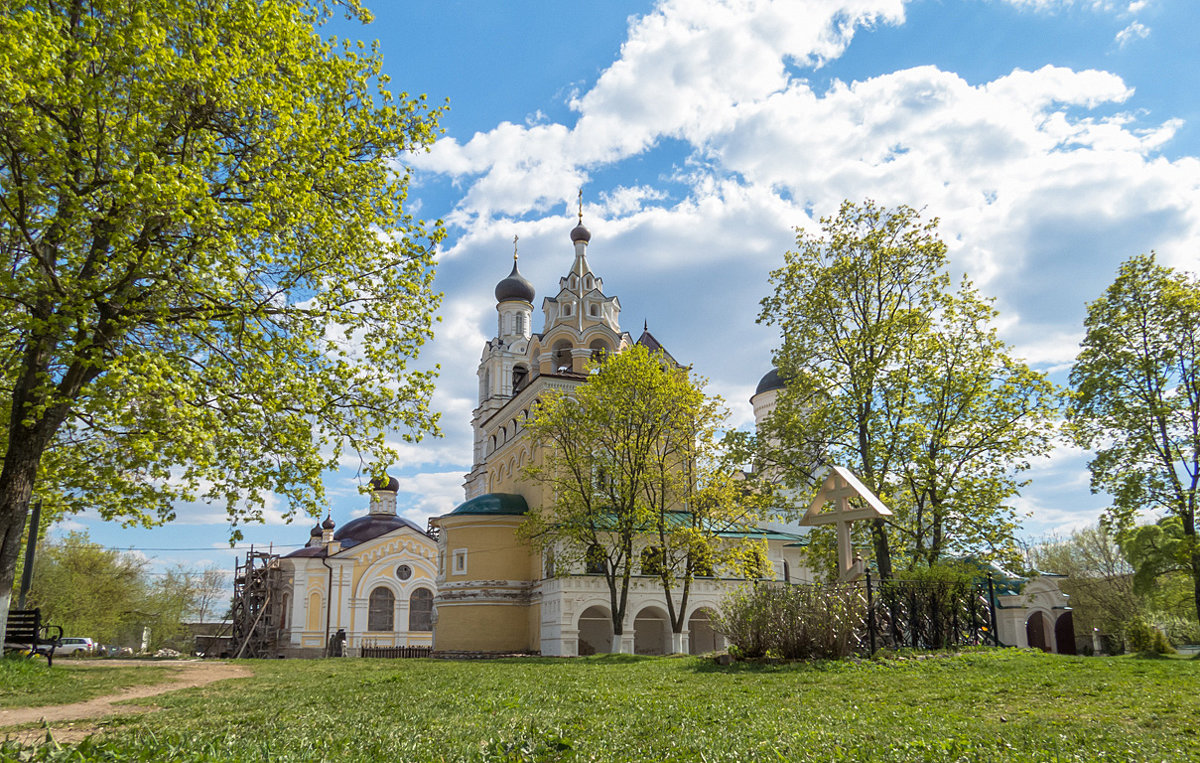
315	532
514	287
328	523
580	233
771	380
371	526
388	483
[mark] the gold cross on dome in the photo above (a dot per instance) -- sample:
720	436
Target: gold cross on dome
515	248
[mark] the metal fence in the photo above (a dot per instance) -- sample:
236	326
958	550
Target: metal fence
396	652
927	615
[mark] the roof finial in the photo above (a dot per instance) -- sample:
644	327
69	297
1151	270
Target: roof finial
581	206
515	237
645	325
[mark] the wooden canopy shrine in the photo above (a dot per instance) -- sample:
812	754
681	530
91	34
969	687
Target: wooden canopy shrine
832	506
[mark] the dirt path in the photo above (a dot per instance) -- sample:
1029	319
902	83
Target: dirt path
185	675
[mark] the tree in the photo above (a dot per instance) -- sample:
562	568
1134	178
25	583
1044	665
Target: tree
624	458
1099	580
1136	398
901	378
968	417
89	590
209	286
702	510
111	596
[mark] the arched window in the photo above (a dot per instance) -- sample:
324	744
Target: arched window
595	311
588	282
787	572
652	560
599	350
520	376
381	609
420	610
562	356
283	614
520	324
594	560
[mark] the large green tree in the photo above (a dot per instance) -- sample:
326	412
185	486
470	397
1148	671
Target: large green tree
627	461
112	596
703	511
897	375
209	287
1137	399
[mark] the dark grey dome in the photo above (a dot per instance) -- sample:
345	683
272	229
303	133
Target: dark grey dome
514	287
315	532
390	484
580	233
371	526
328	523
771	380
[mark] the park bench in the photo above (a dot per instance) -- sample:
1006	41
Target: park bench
25	629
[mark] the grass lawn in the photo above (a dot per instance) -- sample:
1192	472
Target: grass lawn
29	683
990	705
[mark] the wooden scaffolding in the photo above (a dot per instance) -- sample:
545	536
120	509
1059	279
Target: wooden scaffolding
256	606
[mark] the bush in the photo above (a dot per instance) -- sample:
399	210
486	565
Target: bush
1142	637
791	622
1179	630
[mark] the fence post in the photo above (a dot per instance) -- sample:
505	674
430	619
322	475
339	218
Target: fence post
870	612
992	611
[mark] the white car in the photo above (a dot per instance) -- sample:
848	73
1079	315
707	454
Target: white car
74	645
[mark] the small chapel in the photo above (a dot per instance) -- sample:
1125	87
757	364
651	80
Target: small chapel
468	585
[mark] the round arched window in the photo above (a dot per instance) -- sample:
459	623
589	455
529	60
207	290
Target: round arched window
404	572
381	607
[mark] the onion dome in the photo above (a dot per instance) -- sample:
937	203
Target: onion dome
770	381
315	532
390	484
514	287
328	524
580	233
371	526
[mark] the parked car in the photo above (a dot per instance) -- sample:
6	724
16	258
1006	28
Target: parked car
73	645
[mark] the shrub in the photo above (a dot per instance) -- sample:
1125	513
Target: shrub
791	622
1142	637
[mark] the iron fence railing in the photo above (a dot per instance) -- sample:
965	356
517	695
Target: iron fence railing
396	652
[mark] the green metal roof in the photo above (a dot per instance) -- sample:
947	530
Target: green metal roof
493	504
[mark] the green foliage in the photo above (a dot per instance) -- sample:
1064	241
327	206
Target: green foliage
110	596
631	459
1137	406
990	705
1098	579
791	621
1141	637
896	375
209	287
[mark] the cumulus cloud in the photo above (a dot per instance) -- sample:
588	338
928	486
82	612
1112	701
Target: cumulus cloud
1044	180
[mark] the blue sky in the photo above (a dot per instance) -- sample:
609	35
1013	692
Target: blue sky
1054	139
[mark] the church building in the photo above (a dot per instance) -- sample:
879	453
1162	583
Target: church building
469	585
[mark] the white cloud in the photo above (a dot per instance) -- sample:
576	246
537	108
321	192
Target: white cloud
1135	31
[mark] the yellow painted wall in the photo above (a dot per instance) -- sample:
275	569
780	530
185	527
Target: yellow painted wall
313	622
483	627
493	550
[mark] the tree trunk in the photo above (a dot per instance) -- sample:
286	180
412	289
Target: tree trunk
16	488
883	554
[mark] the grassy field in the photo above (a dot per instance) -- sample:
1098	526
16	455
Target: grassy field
991	705
28	683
